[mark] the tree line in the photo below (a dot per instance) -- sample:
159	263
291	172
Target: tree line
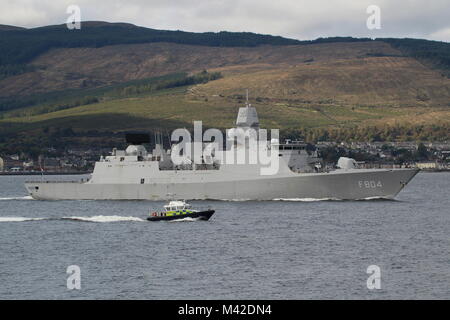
55	101
434	132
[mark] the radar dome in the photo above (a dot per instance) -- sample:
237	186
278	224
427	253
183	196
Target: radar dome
136	150
346	163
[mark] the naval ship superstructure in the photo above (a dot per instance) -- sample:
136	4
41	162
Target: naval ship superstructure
136	174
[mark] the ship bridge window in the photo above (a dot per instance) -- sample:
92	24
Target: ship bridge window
142	181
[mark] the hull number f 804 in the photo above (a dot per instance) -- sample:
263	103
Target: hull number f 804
370	184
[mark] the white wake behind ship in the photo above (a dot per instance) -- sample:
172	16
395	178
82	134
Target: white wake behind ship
136	174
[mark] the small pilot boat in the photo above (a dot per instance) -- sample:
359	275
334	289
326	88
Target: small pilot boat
177	210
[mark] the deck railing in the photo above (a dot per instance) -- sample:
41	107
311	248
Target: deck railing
56	181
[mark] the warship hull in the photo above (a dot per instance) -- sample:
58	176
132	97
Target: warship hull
356	184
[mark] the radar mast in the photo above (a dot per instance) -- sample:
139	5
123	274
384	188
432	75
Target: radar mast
247	116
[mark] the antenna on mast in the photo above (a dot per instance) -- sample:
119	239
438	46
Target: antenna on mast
246	101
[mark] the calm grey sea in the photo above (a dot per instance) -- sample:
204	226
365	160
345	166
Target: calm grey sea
248	250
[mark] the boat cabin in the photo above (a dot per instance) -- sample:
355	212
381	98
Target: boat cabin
176	206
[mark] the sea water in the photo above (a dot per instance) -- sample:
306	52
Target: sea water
297	249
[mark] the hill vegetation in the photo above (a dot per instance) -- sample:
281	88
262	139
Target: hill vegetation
108	78
433	53
60	100
20	46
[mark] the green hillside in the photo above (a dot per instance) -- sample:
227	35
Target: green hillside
79	88
19	46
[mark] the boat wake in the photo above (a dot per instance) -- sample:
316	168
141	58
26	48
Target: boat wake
19	219
17	198
306	199
376	199
103	219
334	199
83	219
187	219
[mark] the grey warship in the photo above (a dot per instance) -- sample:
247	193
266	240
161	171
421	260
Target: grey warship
136	174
